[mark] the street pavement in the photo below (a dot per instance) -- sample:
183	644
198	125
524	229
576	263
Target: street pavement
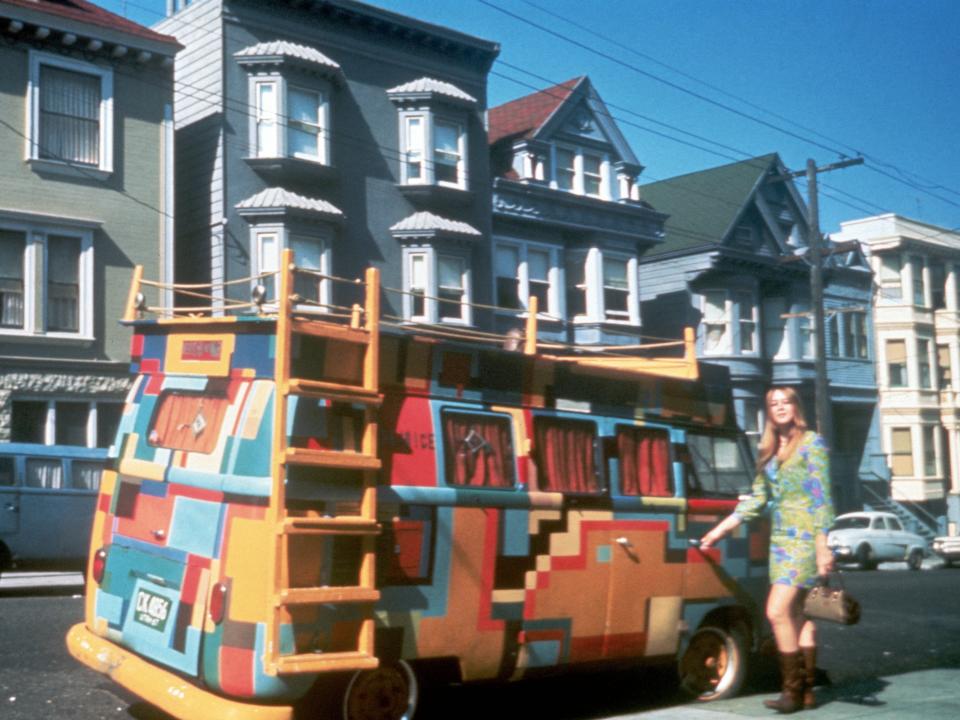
27	580
922	695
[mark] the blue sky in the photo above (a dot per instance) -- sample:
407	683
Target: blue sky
700	83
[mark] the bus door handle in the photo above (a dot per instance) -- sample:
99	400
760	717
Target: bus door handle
11	507
627	546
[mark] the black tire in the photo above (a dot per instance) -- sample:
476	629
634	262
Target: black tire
388	692
714	665
915	559
865	558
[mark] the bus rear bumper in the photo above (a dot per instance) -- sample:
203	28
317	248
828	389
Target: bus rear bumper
167	691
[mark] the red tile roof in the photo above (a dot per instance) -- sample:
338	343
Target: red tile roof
86	12
521	117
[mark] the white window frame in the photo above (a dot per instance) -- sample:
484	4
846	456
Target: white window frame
930	451
579	172
554	310
723	347
283	236
925	377
773	321
37	60
905	364
430	256
91	429
890	277
806	333
428	120
280	119
753	320
35	276
594	289
855	336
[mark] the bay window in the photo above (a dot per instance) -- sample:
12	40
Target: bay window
70	112
602	287
436	286
433	151
524	270
289	120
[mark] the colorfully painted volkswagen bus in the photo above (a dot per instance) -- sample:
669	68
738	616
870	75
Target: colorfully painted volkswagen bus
301	501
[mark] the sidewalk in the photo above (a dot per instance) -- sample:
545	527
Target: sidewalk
921	695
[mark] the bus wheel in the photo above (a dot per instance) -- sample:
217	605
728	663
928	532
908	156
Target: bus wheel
387	693
714	664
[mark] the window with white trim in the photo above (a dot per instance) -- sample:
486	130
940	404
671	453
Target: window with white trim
433	150
805	331
716	322
289	120
525	270
602	287
896	358
931	467
581	171
752	421
46	280
919	289
891	288
901	456
85	423
924	374
747	321
436	287
70	112
855	334
311	255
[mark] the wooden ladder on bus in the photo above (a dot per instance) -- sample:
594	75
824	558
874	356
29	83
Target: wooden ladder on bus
366	463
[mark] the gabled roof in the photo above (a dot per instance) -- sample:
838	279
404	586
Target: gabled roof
704	206
524	116
424	223
426	87
85	13
273	201
282	49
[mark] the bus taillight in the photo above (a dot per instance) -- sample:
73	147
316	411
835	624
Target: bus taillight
99	565
218	602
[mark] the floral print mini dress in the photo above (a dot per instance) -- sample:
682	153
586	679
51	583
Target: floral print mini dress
796	493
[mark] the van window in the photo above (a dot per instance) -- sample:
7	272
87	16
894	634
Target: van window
44	473
188	421
718	466
7	476
644	456
564	453
85	475
478	450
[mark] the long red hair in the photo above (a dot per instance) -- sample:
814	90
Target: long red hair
769	441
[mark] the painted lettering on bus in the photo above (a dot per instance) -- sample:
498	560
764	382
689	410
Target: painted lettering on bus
201	350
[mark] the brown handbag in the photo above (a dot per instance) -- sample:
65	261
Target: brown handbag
833	604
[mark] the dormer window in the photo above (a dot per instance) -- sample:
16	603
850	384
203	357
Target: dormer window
582	172
433	132
289	89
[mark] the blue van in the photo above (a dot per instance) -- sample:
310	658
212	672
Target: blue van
47	497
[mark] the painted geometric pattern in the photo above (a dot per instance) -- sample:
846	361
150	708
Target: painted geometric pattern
507	580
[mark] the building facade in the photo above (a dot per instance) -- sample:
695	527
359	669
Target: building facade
732	265
352	135
568	223
916	305
85	194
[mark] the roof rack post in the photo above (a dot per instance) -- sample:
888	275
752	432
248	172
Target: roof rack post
530	340
130	310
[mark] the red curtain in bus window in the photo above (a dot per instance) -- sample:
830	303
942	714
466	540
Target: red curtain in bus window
565	459
644	462
188	421
478	450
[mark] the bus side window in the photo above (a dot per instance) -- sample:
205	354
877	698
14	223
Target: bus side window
85	475
644	455
565	455
44	473
478	450
7	476
722	466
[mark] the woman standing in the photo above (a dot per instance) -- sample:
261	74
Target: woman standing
793	481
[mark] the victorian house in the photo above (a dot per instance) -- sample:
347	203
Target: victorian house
352	135
732	264
569	227
86	180
916	306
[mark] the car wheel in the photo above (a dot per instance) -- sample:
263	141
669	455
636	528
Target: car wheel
865	557
915	559
715	663
389	692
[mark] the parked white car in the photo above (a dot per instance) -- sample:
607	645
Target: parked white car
947	547
870	537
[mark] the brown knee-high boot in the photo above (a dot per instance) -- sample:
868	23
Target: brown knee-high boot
791	697
809	676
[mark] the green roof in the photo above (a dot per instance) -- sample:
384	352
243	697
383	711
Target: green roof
703	206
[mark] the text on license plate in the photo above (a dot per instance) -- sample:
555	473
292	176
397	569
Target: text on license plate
151	610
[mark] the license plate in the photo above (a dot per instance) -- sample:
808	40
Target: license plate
151	610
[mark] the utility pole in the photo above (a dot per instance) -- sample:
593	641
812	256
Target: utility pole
814	248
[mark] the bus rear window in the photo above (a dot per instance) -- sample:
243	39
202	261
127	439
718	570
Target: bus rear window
478	450
188	421
644	456
565	456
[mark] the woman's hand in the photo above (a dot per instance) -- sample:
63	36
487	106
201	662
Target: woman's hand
711	538
825	559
